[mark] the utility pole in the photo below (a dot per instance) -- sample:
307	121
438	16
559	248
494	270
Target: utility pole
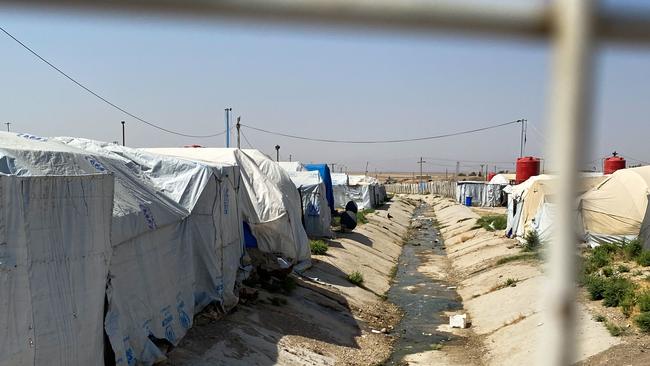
7	123
277	153
481	173
522	142
366	173
238	125
228	110
446	174
457	169
123	134
289	157
421	162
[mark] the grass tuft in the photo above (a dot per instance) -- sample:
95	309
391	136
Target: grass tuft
492	222
355	278
361	215
614	329
643	321
532	241
518	257
318	247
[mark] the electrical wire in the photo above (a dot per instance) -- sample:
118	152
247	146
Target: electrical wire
151	124
246	139
382	141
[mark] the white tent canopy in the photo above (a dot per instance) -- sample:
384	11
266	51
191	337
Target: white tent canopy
292	166
316	213
271	203
175	244
615	209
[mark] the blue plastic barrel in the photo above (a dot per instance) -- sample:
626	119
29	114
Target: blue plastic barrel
468	201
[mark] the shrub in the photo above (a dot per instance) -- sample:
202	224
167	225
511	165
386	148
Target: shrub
361	215
623	268
643	321
355	278
532	242
644	301
614	329
595	286
318	247
643	259
288	284
608	271
599	258
616	289
511	282
600	318
492	222
627	304
632	249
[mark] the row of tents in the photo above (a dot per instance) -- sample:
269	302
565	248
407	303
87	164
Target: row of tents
98	240
611	208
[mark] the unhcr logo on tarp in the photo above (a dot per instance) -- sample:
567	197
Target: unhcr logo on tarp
96	164
32	137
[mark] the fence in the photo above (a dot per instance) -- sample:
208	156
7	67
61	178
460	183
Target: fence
442	187
574	27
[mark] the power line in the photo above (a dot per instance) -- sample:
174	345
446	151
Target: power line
246	139
382	141
102	98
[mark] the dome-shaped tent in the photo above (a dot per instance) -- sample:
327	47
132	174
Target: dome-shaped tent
615	209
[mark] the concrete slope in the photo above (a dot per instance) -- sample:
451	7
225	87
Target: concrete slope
508	319
326	320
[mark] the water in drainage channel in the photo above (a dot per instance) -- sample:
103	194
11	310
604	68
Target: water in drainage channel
422	299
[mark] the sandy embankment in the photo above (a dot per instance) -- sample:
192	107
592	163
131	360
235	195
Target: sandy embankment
506	321
323	322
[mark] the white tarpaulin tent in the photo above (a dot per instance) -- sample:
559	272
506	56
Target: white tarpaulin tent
175	238
364	191
54	255
615	209
292	166
316	212
271	203
339	189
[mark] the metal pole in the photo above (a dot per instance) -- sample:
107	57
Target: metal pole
123	134
521	139
570	106
7	123
228	126
238	125
289	157
277	153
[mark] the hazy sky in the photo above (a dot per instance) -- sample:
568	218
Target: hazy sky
319	82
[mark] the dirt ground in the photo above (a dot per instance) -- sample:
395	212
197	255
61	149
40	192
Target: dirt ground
325	320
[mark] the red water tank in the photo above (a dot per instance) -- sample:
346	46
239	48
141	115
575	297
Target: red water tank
527	167
613	163
490	176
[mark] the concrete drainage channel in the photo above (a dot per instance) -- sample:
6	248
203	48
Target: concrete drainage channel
424	301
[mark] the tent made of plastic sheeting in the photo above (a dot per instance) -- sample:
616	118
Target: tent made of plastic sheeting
503	179
473	189
316	214
615	209
324	172
526	200
339	189
173	231
292	166
364	191
54	255
271	204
